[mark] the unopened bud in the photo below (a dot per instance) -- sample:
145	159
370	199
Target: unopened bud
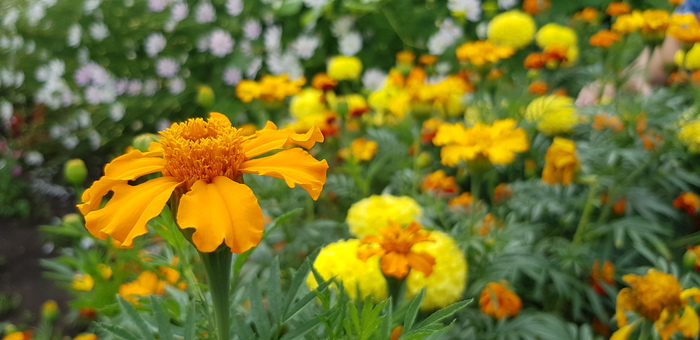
143	141
690	259
75	171
205	96
49	310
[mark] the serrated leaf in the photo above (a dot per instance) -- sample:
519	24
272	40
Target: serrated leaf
134	316
412	310
445	312
260	317
190	322
165	331
301	330
118	331
275	299
297	281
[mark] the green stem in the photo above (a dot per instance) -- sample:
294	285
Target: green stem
395	289
587	210
218	266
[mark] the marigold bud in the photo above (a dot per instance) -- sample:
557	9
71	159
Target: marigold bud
205	96
75	171
143	141
690	259
49	310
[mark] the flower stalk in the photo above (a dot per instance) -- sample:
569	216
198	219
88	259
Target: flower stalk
218	267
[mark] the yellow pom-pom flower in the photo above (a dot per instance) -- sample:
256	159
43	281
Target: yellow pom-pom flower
513	28
691	59
689	135
344	68
308	102
556	34
553	114
368	215
340	260
447	282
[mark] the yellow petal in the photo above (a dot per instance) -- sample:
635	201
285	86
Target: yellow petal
270	138
134	165
295	166
92	197
221	211
623	333
126	214
691	292
624	303
689	323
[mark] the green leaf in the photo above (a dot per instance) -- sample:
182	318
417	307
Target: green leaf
135	318
118	331
189	322
165	331
445	312
301	330
275	299
281	219
412	310
260	317
242	329
301	303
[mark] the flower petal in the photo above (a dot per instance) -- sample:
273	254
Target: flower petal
126	214
135	164
689	323
295	166
421	262
395	265
623	333
221	211
92	197
269	138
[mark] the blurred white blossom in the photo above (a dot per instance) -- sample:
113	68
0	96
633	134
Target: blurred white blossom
342	25
446	36
179	11
10	18
315	3
471	9
253	68
373	79
116	111
134	88
90	5
232	76
74	35
273	36
157	5
252	29
234	7
305	46
167	67
176	85
350	43
204	13
155	43
507	4
99	31
35	13
220	43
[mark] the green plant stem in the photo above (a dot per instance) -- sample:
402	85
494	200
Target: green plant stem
587	210
218	267
396	289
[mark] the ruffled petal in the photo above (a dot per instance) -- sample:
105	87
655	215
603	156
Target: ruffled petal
92	197
623	333
269	138
395	265
221	211
295	166
691	292
135	164
421	262
365	253
689	323
126	214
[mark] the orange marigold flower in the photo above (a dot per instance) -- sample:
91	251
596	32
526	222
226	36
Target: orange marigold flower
483	52
429	129
620	206
439	184
146	283
396	333
394	248
323	82
463	201
201	163
405	57
688	201
363	149
684	27
555	54
534	60
536	6
485	226
618	8
676	2
561	162
538	87
659	298
498	301
588	14
501	193
599	274
603	120
428	59
26	335
604	38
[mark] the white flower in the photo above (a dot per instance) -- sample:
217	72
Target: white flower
167	67
74	34
99	31
305	46
204	13
82	75
234	7
10	18
246	47
220	43
286	63
150	86
445	37
179	11
232	76
470	8
155	43
93	95
35	13
252	29
342	25
253	68
373	79
134	87
33	158
157	5
176	85
95	139
203	43
482	30
121	86
91	5
272	38
315	3
70	142
6	111
350	43
443	67
53	70
116	111
507	4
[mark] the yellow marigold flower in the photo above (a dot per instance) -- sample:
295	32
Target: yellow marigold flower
395	250
553	114
200	162
513	28
561	162
618	8
146	283
689	135
497	143
247	90
684	27
26	335
308	102
390	104
86	336
604	38
439	184
344	68
323	82
659	298
366	216
449	277
363	149
480	53
655	21
339	260
688	201
405	57
105	271
83	282
556	34
427	59
498	301
276	88
628	23
691	60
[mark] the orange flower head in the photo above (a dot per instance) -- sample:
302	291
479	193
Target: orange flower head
363	149
26	335
439	184
603	120
429	129
555	54
655	21
538	88
501	193
535	7
483	52
394	248
620	206
604	38
323	82
688	201
498	301
676	2
588	14
405	57
561	162
201	163
428	59
463	201
618	8
535	60
604	274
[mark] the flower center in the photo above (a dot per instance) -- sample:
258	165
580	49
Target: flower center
201	150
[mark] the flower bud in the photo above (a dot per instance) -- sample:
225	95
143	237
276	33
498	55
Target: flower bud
690	259
49	310
205	96
75	171
73	218
143	141
423	160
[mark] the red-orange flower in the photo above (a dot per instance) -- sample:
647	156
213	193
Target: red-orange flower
538	87
394	247
202	164
604	38
323	82
618	8
599	274
687	201
439	184
499	301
